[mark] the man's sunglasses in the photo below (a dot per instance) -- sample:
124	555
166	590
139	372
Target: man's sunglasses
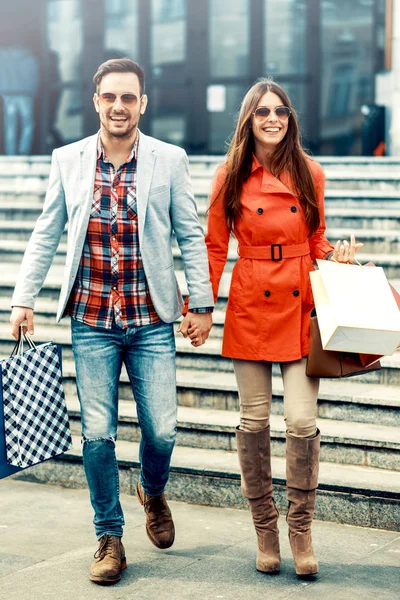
281	112
127	99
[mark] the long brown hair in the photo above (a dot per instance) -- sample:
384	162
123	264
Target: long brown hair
288	157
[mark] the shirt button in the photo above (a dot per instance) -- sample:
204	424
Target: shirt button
294	209
267	293
260	211
114	238
114	287
296	293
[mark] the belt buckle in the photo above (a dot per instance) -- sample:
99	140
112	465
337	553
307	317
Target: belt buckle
273	257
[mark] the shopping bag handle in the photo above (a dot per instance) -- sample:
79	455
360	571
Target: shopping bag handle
19	346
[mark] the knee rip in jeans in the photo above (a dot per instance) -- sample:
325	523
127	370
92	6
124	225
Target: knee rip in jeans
86	440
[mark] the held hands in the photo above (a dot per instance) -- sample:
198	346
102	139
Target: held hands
19	315
345	252
197	327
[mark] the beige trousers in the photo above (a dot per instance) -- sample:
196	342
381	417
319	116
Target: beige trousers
254	379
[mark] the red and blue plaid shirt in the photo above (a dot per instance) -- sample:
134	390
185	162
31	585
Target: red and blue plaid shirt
111	286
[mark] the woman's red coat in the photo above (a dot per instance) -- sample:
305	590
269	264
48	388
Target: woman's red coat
268	311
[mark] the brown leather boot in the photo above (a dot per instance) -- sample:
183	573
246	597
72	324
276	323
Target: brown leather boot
302	464
109	561
159	524
254	451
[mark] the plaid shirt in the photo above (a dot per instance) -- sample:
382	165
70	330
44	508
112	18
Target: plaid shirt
111	286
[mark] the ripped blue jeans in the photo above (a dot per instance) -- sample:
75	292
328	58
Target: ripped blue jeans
149	356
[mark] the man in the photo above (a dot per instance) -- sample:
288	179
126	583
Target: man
123	194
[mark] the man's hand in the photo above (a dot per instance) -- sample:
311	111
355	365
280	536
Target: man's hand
20	314
197	327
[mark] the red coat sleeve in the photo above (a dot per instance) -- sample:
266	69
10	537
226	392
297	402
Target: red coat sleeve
319	245
217	238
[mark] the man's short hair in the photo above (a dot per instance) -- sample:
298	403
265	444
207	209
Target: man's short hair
119	65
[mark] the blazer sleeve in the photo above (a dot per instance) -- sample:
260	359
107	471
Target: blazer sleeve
218	234
319	245
43	242
190	236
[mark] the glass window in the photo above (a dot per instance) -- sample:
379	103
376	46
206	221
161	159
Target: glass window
297	93
120	29
348	65
168	122
285	52
65	101
229	37
168	31
223	105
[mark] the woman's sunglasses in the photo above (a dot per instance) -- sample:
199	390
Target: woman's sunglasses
108	99
281	112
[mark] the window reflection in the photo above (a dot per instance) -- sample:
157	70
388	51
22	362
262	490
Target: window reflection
285	37
168	32
348	65
121	28
222	118
65	101
229	37
169	118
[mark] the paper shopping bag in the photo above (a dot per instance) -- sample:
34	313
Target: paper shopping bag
33	418
356	308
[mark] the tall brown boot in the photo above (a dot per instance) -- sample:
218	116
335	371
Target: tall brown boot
302	463
254	450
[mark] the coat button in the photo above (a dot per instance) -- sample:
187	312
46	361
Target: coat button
260	211
294	209
296	293
267	293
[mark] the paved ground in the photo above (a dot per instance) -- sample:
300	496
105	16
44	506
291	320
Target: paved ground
47	544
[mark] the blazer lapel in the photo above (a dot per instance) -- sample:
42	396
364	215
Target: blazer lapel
88	159
145	166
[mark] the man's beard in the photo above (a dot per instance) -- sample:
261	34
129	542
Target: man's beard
120	134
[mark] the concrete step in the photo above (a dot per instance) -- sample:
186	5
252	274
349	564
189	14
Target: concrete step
350	494
52	285
362	218
339	400
206	358
384	219
381	163
341	442
358	198
383	241
376	241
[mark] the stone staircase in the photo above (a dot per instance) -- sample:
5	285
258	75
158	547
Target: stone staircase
358	418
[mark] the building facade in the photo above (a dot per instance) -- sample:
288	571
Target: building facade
200	57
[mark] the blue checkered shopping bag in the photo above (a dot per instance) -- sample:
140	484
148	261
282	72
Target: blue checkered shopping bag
33	415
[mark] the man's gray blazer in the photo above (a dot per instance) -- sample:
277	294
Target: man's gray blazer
165	204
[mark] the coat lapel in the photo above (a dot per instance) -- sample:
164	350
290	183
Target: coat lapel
88	159
272	184
145	167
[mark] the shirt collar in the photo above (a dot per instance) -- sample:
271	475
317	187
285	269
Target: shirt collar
132	155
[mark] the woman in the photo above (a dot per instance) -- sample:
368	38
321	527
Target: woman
269	194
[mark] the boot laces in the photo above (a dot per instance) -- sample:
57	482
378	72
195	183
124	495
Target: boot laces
105	548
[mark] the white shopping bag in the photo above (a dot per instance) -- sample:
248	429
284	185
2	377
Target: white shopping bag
356	308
